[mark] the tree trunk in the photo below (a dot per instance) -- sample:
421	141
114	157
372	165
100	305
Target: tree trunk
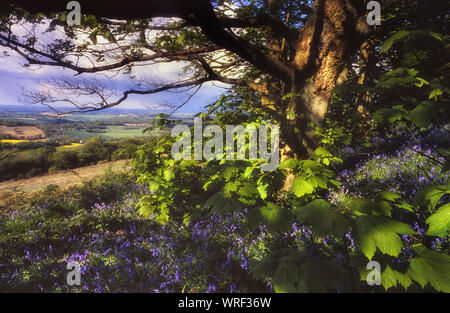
367	59
323	53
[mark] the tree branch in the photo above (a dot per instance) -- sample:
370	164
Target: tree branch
54	61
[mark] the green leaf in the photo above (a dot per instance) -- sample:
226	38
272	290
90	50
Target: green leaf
91	21
262	189
228	172
248	190
153	186
422	115
311	165
321	152
263	268
222	204
362	206
391	40
283	287
390	278
439	222
274	217
336	183
435	94
390	195
377	231
169	175
430	195
250	172
318	181
388	116
319	275
301	187
404	205
231	187
291	163
323	220
421	82
430	267
286	272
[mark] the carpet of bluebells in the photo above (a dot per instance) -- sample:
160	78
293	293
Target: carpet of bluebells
97	225
118	250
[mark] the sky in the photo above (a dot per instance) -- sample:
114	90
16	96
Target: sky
14	76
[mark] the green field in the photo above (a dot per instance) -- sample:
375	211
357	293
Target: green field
111	132
87	117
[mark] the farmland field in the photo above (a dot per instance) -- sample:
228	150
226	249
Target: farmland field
13	141
110	133
21	132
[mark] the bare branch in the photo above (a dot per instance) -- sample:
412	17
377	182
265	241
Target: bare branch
54	61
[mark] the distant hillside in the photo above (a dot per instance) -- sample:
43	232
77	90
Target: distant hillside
16	109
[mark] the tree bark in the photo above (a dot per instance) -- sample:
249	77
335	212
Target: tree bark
323	53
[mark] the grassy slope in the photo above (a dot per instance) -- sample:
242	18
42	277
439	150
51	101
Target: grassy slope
64	178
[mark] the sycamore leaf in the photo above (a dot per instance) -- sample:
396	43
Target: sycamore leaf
323	220
312	166
280	286
301	187
430	267
274	217
169	175
286	272
145	207
319	275
390	195
231	187
377	231
222	204
421	115
391	40
336	183
262	189
435	94
318	181
404	205
431	195
248	190
362	206
388	115
291	163
322	152
228	172
261	269
250	172
439	222
390	278
153	186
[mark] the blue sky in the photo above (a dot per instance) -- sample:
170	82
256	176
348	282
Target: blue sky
13	76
